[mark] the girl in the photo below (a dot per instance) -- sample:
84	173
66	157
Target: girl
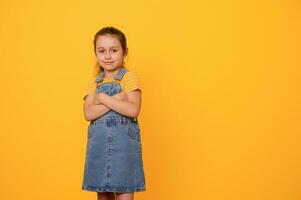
113	165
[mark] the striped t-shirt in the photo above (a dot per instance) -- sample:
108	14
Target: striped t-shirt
129	82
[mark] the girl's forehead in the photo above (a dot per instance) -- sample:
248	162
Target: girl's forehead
107	41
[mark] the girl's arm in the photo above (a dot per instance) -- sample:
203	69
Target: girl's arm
93	111
130	108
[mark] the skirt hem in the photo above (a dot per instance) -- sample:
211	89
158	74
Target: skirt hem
113	189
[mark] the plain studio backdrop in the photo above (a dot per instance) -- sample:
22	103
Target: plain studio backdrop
220	116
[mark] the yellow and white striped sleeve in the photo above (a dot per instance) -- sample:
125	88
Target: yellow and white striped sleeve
90	89
130	82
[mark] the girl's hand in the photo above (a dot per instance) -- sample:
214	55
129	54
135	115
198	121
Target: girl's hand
121	96
97	98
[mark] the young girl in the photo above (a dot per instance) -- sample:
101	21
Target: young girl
113	164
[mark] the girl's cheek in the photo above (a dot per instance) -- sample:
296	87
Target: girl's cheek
119	56
99	57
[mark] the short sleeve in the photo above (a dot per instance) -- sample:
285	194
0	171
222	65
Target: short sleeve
130	82
90	88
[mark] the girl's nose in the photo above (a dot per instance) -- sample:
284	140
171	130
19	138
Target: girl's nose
108	55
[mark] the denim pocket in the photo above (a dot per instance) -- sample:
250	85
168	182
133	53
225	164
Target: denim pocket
134	131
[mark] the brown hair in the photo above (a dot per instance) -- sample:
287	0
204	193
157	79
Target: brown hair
112	31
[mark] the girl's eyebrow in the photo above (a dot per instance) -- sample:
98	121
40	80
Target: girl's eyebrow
111	47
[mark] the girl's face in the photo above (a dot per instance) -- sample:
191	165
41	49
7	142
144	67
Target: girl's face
109	52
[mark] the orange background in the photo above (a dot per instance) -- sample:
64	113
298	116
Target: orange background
220	116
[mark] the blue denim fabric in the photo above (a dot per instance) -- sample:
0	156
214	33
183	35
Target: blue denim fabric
113	160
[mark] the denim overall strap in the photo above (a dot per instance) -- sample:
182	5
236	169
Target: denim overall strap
120	74
100	77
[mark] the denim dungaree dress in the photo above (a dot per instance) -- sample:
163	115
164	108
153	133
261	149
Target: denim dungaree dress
113	160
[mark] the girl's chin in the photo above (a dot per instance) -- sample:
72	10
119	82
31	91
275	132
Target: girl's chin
109	68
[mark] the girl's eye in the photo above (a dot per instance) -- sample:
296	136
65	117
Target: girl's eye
114	50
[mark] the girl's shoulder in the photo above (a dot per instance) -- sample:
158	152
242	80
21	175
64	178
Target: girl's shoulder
90	87
130	74
130	81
